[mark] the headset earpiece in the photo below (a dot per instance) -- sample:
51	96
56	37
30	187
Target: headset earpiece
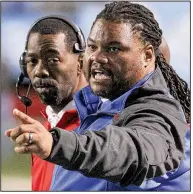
81	45
77	48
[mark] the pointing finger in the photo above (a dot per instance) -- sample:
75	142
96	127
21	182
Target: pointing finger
25	119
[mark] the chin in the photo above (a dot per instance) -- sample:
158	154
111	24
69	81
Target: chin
48	100
101	93
108	93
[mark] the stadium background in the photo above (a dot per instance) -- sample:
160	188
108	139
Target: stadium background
17	18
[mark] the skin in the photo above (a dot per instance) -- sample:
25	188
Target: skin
165	50
54	71
42	139
115	58
56	74
119	59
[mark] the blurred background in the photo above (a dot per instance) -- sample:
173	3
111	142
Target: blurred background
17	18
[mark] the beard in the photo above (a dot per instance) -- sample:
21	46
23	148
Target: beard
57	97
51	97
54	94
112	91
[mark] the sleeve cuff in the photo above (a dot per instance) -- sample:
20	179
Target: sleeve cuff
63	148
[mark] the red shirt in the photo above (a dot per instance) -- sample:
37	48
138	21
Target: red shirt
42	170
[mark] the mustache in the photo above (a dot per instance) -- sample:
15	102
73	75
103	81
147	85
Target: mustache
44	83
100	67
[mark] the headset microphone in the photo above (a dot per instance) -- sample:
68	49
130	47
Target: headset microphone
24	99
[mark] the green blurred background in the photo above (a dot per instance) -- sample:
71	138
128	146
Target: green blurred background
15	173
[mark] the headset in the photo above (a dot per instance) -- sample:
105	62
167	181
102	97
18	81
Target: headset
78	47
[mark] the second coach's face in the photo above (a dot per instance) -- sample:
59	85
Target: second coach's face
115	58
52	68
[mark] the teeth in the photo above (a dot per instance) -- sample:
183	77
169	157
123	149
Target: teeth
100	76
97	71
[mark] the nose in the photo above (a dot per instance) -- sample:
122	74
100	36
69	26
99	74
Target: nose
41	70
99	57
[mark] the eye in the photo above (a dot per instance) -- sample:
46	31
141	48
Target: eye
92	47
52	61
32	61
113	49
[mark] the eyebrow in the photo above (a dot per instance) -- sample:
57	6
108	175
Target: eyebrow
109	43
53	51
31	55
48	51
114	43
90	39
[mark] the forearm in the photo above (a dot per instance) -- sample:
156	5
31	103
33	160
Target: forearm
105	154
119	154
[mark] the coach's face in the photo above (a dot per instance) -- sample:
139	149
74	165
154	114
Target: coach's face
115	58
52	68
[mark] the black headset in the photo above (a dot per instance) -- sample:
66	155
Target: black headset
78	47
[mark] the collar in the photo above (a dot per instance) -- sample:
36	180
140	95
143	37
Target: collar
53	117
104	99
86	102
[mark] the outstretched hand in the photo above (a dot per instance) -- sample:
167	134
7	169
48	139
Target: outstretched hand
41	141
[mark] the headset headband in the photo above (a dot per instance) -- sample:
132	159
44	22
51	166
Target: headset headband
76	29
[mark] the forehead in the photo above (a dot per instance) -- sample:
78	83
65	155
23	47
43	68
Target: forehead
104	30
39	41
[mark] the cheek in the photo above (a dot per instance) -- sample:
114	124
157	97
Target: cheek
69	75
127	67
133	72
121	65
132	62
30	73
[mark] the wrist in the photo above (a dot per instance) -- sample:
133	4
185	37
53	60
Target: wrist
55	139
56	136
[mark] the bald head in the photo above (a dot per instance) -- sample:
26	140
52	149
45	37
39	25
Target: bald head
165	50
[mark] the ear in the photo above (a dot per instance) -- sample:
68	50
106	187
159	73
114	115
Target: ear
80	64
149	55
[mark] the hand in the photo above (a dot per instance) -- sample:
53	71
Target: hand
42	140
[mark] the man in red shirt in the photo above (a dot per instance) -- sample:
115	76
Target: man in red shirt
53	63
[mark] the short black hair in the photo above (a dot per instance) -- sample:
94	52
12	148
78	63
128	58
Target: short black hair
56	26
142	20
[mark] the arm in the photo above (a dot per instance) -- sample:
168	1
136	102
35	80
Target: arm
143	143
